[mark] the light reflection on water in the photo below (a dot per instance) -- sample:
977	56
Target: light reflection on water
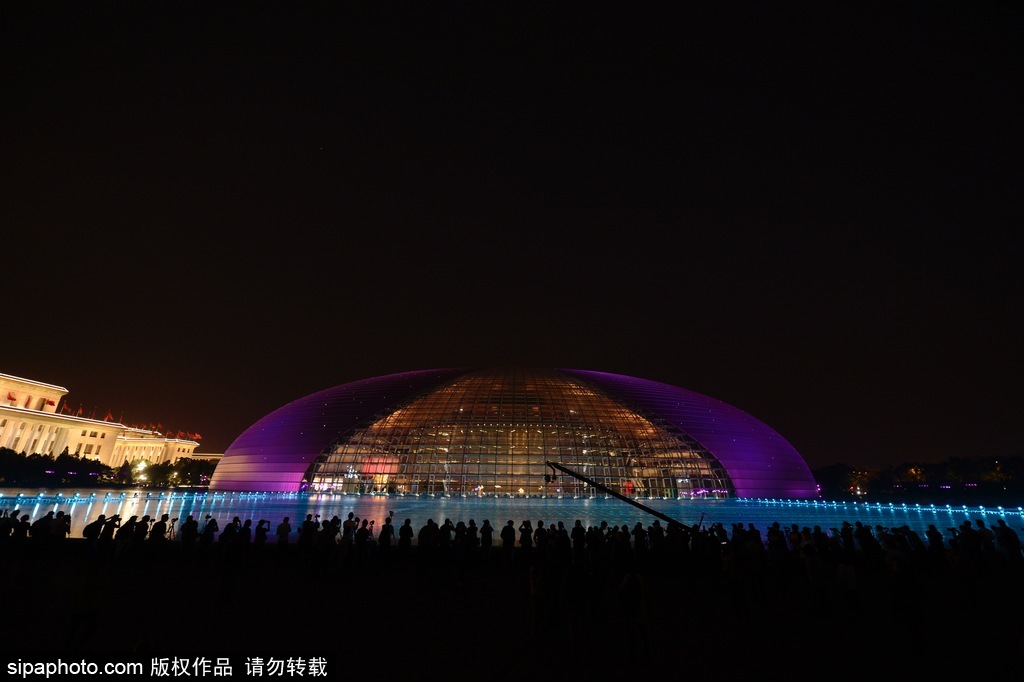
86	505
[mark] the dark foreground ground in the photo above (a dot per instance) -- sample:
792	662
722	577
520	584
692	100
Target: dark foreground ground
451	614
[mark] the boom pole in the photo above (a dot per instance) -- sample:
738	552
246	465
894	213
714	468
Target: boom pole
555	466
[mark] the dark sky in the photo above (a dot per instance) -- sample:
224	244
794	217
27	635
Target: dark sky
813	214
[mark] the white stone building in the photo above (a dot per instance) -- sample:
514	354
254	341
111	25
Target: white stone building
33	421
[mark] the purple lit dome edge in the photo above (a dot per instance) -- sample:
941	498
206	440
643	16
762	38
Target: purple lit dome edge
278	452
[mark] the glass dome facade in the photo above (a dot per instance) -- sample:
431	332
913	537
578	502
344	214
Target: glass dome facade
492	431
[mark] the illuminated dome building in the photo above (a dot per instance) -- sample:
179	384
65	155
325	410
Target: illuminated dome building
491	432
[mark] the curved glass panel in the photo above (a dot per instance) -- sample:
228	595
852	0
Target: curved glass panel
491	432
760	462
275	454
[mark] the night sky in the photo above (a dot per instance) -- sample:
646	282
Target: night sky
211	210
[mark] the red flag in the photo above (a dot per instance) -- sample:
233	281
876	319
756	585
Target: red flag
11	396
197	436
152	427
50	402
159	427
109	416
80	411
65	408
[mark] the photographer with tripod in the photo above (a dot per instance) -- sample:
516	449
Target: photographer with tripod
158	533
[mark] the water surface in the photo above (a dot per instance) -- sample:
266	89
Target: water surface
86	505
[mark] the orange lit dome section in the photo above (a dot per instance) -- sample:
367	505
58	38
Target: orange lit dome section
492	432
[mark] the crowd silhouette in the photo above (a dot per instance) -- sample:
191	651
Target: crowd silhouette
643	582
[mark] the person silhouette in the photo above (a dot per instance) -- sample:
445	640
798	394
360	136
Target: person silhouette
578	535
126	530
107	532
158	533
92	531
640	539
540	539
284	529
1008	543
405	535
209	532
348	530
7	522
486	533
20	531
244	537
308	532
387	532
987	539
361	548
426	540
140	531
508	541
39	531
445	533
260	536
525	540
230	533
189	532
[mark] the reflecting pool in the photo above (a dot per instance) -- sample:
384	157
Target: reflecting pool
86	505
